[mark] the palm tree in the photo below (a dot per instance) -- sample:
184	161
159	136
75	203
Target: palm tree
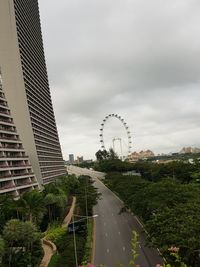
2	249
55	200
6	210
50	201
32	204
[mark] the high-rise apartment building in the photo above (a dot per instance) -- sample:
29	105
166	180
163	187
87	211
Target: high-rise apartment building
71	158
26	87
16	174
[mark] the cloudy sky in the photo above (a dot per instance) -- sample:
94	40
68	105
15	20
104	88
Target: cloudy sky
137	58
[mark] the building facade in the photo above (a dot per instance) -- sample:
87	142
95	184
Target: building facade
71	158
16	173
26	87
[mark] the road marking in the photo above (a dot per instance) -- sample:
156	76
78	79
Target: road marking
123	248
104	224
119	233
106	234
108	250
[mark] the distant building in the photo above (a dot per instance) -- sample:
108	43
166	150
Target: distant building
79	159
187	150
71	158
135	156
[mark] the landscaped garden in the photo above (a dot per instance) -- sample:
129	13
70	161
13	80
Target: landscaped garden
23	222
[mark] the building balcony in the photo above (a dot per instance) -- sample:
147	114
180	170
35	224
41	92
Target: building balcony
13	158
3	105
4	112
47	152
26	185
53	176
7	188
12	149
21	183
6	122
9	140
5	176
2	97
7	130
23	175
12	167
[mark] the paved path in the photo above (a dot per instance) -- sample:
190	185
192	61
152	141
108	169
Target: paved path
49	247
49	250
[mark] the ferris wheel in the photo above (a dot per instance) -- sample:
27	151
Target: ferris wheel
128	133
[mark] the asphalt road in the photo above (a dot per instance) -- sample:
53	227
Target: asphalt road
113	233
113	230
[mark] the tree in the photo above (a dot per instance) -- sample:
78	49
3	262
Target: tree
179	227
86	194
21	239
106	155
2	249
32	204
7	210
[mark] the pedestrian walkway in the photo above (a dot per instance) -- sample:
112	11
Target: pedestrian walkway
48	246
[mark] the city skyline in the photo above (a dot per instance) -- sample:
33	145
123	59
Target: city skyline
137	59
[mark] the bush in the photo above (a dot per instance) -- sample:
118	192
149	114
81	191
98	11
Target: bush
54	260
55	233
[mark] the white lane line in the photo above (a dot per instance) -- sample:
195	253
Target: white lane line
106	234
108	250
119	233
123	248
104	224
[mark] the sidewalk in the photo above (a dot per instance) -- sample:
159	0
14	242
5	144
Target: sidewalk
68	218
48	246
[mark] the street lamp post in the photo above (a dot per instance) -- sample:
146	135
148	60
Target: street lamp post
86	204
74	235
74	232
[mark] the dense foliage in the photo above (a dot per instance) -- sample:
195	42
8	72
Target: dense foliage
108	161
86	194
170	211
181	170
22	220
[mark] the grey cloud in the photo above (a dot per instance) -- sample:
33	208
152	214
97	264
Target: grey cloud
140	59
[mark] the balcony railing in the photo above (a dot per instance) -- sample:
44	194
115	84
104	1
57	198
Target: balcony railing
9	138
7	187
5	176
4	112
11	147
8	130
13	156
3	120
13	166
22	174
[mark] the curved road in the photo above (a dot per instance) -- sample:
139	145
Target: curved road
114	230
